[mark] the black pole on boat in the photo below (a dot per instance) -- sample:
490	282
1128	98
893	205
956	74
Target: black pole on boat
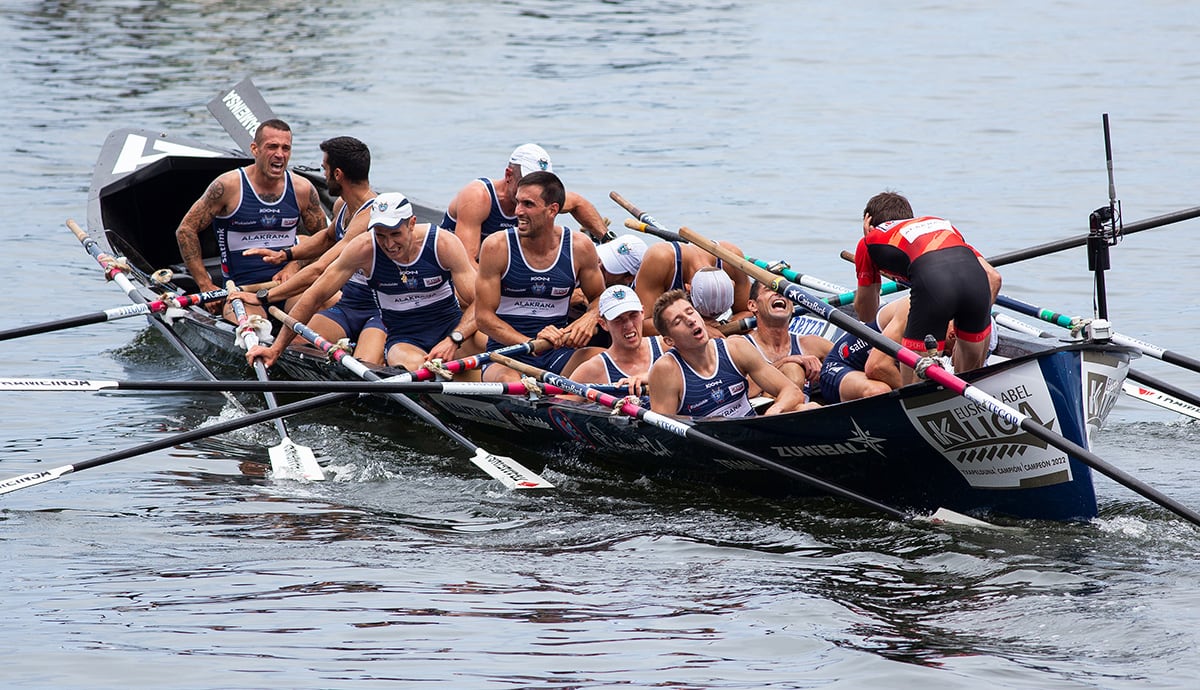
1105	231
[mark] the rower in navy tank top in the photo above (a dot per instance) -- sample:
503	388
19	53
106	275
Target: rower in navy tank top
256	223
496	221
531	299
416	299
723	394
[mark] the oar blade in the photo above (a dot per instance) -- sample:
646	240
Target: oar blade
508	472
25	481
290	460
945	516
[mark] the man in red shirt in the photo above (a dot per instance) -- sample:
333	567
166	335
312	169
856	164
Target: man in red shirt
950	281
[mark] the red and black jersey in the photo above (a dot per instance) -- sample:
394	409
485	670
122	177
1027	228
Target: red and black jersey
891	248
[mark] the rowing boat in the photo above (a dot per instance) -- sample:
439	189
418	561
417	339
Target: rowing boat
920	447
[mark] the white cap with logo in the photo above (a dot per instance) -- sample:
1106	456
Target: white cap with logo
618	300
622	254
390	210
530	158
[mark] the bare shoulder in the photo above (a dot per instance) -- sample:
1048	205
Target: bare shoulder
472	201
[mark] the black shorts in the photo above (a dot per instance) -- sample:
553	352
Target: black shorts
948	284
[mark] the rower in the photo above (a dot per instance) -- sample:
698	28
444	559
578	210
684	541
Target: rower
853	369
701	376
415	272
526	277
260	205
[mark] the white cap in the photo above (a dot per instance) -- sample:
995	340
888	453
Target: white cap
390	210
618	300
530	158
712	293
622	254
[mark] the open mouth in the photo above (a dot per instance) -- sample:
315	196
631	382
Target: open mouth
779	304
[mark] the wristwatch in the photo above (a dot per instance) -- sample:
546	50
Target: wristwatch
262	296
456	337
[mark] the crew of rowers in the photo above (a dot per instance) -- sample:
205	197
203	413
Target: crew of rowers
498	271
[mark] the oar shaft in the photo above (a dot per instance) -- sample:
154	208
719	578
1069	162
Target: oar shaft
115	272
1079	241
382	385
114	314
173	440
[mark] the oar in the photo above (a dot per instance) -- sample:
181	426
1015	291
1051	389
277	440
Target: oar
25	481
115	271
288	459
504	469
145	309
690	432
939	375
1071	323
1079	241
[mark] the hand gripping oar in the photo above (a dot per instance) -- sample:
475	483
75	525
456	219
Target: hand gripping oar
679	428
941	376
144	309
1073	323
25	481
504	469
288	459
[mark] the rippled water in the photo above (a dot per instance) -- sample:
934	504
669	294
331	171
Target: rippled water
768	124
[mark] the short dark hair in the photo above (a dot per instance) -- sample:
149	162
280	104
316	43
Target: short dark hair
350	155
273	123
552	187
886	206
665	300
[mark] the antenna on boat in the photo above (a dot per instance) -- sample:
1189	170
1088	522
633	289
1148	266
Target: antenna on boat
1105	231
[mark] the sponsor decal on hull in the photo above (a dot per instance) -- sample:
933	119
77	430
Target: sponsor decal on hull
1103	375
987	449
860	442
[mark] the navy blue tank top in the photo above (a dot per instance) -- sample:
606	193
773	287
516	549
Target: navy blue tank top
721	395
615	373
256	223
532	299
417	296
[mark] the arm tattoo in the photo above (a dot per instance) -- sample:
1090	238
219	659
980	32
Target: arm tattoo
314	215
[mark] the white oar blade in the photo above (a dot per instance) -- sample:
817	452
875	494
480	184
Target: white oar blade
292	461
945	516
33	479
1156	397
508	471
